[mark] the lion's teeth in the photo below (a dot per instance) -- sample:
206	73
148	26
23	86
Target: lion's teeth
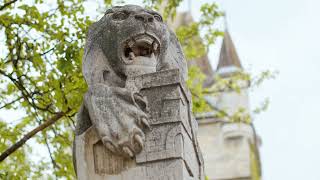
155	46
131	55
131	43
144	38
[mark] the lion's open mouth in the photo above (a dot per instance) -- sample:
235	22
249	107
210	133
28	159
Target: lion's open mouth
142	49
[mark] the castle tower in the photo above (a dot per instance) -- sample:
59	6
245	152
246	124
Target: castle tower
231	100
229	148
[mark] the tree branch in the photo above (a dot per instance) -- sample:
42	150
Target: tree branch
10	103
25	93
30	134
7	4
54	163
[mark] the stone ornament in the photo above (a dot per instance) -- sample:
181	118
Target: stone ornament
135	121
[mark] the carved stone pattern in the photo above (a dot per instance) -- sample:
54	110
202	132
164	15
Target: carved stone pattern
114	164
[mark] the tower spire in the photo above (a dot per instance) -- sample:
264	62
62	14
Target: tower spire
228	54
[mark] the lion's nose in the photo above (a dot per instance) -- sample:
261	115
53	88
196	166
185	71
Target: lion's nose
144	17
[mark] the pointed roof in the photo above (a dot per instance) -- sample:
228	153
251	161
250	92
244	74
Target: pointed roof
228	53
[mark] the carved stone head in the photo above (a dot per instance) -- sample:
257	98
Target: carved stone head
138	35
134	41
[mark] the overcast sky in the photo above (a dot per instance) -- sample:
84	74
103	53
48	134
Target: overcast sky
279	35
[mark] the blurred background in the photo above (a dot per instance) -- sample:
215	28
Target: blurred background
278	37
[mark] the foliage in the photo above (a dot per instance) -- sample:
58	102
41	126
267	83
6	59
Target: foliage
17	165
40	74
195	39
195	81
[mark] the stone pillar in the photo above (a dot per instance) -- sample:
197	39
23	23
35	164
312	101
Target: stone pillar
171	151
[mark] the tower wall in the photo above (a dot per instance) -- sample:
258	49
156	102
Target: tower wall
231	101
226	149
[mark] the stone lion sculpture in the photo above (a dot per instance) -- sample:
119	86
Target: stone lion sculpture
127	41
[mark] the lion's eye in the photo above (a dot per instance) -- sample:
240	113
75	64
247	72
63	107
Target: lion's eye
118	16
157	17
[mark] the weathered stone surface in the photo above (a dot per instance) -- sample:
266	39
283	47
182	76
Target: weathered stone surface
136	121
226	149
170	148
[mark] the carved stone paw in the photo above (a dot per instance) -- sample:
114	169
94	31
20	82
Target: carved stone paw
127	146
120	118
